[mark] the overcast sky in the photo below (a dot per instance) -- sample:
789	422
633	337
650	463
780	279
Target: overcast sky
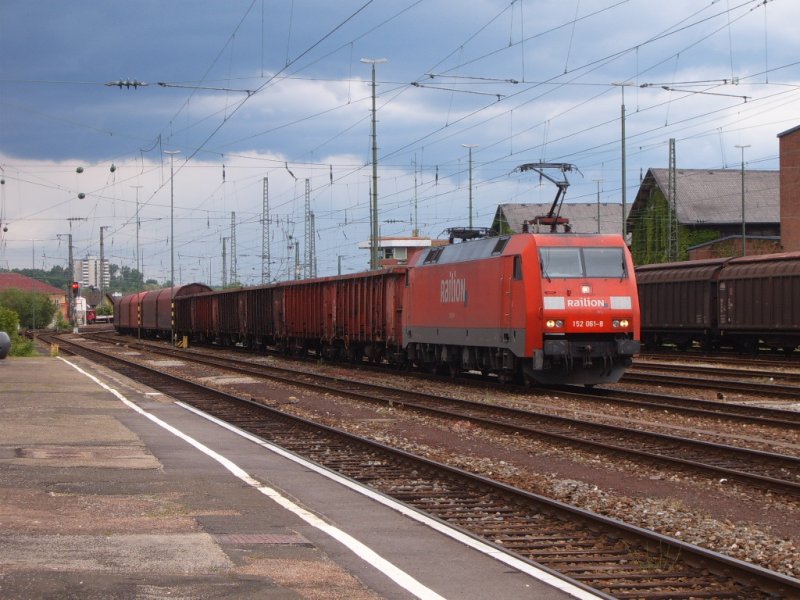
257	89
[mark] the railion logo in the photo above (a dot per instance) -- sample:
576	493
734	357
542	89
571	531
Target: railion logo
586	303
453	289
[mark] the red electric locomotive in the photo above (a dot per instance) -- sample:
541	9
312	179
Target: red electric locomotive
548	308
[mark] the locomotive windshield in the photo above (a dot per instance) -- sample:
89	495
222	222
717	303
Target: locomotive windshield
582	262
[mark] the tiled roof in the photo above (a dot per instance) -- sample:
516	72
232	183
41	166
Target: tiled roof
582	216
714	196
27	284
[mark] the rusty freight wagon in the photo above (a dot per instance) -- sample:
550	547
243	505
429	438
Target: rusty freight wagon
350	316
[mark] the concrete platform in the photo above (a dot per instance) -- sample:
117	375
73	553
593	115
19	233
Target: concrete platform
110	490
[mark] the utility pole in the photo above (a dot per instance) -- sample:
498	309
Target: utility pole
265	241
33	266
297	260
598	182
744	221
139	275
138	225
672	203
623	85
470	146
373	246
72	272
172	154
102	264
234	273
224	264
310	250
71	276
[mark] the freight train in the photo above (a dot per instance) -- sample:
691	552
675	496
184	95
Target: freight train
530	307
737	303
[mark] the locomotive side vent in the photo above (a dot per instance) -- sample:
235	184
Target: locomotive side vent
433	255
500	246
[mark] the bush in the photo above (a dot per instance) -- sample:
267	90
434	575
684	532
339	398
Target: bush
9	322
28	305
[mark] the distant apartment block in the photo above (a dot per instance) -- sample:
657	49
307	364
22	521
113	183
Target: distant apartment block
89	270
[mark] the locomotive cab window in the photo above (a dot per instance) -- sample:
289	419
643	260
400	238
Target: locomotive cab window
604	262
582	262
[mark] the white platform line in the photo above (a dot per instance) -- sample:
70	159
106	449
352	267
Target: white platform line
412	513
397	575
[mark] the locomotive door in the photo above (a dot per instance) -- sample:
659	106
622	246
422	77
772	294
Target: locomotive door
506	300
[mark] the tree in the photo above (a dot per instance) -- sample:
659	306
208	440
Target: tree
33	309
125	280
9	322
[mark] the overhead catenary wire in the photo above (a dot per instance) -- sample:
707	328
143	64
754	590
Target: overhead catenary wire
514	141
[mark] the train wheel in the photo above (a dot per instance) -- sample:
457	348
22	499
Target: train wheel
528	381
351	355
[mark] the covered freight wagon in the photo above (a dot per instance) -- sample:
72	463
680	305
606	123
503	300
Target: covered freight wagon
759	301
678	302
126	313
151	312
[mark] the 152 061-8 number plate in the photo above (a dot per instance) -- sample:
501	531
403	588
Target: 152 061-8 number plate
588	324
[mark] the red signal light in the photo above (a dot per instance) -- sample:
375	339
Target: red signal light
76	287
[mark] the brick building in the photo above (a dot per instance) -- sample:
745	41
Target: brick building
789	144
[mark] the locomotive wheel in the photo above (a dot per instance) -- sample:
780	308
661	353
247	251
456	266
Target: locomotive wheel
528	381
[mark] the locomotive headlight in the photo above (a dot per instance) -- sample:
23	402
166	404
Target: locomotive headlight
620	323
586	289
554	323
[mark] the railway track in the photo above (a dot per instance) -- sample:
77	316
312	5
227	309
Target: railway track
760	361
756	415
619	560
688	406
764	470
753	371
665	375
